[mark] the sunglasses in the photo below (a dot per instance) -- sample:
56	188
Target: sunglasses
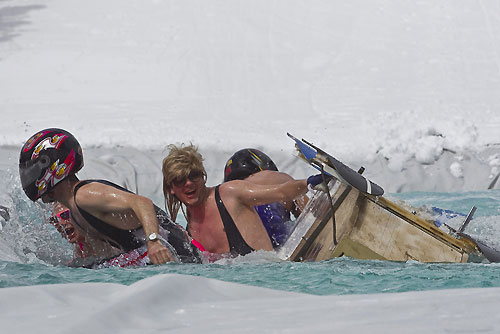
63	215
193	176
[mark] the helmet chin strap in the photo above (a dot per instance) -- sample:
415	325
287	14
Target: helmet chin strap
48	197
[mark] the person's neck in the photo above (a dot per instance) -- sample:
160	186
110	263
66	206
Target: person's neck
63	193
197	211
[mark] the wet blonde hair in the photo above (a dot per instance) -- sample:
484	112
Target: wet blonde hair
180	161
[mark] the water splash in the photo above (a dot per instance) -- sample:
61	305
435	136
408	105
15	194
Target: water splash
27	237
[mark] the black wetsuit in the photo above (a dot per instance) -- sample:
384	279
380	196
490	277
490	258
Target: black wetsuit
126	240
237	245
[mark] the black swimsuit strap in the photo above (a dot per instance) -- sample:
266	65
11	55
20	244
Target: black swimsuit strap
236	242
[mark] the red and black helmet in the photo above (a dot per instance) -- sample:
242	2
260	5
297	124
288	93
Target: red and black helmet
47	158
246	162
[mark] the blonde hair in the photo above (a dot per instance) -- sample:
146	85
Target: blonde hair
180	161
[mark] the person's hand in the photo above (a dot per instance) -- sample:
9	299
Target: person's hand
316	182
158	253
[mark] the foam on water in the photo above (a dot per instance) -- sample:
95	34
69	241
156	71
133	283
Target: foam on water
484	225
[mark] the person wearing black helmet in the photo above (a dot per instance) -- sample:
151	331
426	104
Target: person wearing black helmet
222	218
255	166
246	162
105	213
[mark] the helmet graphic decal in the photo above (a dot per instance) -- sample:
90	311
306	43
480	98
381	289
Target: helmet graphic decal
246	162
32	141
228	169
258	161
55	173
48	157
49	142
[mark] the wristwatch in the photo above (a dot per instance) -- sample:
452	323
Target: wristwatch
153	237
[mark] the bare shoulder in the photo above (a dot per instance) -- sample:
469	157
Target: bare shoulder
269	177
96	192
96	188
232	186
238	192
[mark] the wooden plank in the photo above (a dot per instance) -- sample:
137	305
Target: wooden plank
393	238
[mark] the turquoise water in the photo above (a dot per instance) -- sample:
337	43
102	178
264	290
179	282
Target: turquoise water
338	276
487	202
41	254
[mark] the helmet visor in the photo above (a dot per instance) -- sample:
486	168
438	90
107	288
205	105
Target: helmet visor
30	171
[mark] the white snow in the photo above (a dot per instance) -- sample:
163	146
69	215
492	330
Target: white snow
189	304
408	89
392	86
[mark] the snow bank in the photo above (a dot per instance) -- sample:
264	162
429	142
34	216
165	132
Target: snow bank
188	304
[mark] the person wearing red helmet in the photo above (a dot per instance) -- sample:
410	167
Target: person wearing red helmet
105	212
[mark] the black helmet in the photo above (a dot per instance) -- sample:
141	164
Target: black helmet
46	158
245	163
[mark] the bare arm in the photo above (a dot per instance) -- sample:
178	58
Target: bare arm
273	177
269	177
253	194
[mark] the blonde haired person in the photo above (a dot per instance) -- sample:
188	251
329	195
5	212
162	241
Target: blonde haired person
181	163
221	218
